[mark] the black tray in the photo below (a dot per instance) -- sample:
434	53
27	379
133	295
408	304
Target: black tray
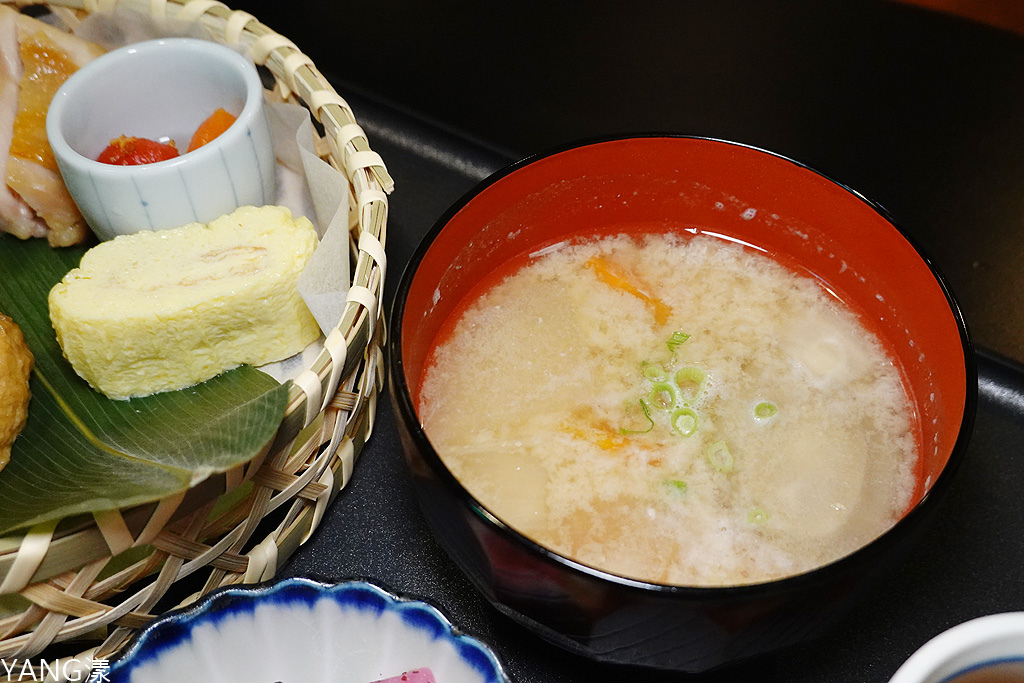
920	111
968	564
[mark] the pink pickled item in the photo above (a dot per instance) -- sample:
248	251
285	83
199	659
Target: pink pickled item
414	676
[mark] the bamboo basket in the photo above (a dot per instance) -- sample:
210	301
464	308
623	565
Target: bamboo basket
65	575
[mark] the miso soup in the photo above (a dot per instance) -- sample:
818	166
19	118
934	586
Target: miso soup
673	408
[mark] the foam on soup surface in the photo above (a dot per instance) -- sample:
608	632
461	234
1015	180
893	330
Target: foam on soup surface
681	410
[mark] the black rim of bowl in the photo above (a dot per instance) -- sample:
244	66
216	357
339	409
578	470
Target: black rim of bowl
402	398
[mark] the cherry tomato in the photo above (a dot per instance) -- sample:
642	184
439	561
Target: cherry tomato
131	151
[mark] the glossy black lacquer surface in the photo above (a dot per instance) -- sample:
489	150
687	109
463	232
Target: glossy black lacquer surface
919	111
965	565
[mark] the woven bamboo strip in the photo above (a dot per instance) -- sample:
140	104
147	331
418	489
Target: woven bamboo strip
62	574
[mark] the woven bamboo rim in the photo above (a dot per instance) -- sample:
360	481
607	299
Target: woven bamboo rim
64	572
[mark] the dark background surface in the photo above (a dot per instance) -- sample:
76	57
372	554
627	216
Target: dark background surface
917	110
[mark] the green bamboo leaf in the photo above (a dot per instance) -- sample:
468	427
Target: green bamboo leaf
81	452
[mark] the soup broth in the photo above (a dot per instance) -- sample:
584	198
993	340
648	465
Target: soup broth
676	409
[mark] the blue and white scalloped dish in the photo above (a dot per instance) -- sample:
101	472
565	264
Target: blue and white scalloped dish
298	630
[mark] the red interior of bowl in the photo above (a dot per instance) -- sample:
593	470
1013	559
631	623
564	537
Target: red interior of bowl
656	183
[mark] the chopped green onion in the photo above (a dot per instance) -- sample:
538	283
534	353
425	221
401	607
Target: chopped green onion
647	414
720	457
765	410
655	373
757	516
684	421
676	485
676	340
691	381
664	395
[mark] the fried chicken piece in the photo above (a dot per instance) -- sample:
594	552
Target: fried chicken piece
15	367
35	59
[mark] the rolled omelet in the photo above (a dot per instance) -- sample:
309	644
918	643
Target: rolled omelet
160	311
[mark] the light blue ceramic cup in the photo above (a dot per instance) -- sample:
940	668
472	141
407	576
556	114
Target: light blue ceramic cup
157	89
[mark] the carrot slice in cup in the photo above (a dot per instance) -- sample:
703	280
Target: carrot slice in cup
215	124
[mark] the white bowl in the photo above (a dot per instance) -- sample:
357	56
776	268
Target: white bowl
156	89
302	630
972	645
